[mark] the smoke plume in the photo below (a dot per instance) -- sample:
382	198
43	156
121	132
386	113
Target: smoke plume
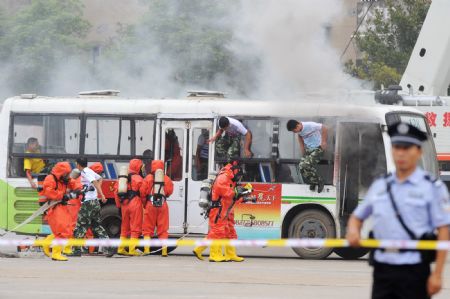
267	49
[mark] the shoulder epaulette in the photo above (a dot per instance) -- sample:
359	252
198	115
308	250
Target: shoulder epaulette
434	180
385	176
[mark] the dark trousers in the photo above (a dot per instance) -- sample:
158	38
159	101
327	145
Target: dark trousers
400	282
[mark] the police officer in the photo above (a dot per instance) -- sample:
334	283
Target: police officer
422	204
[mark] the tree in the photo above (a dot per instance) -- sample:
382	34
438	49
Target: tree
38	37
388	42
187	40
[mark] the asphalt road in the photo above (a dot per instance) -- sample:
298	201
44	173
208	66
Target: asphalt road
266	273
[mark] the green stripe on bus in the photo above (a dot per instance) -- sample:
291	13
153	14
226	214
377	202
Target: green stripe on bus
304	199
307	197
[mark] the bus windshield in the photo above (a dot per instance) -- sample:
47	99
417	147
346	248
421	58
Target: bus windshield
428	161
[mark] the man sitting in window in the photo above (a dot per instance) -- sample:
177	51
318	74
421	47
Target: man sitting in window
33	165
312	138
229	145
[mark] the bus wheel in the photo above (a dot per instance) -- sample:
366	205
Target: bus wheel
111	220
351	253
312	224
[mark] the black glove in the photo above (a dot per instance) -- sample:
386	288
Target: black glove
241	191
65	199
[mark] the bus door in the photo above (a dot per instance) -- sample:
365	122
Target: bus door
187	157
360	158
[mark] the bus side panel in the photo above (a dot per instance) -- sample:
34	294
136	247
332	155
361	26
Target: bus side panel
3	204
22	203
260	220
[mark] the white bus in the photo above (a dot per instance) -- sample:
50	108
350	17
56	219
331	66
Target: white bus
114	130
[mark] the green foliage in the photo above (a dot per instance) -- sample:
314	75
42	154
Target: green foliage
193	36
388	41
35	39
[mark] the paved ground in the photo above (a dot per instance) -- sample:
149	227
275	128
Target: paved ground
266	273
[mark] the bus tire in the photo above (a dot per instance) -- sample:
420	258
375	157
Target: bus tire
312	223
111	220
351	253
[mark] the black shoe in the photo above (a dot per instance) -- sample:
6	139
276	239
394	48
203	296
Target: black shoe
320	187
74	254
312	187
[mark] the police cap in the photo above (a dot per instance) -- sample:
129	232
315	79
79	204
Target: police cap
405	134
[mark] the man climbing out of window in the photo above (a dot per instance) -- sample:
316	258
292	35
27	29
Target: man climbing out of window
228	146
312	138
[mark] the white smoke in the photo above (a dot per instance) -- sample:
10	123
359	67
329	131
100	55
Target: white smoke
283	44
290	38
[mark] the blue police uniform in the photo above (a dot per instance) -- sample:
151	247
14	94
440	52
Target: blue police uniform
423	203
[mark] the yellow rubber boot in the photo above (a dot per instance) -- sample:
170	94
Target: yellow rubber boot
198	252
147	248
56	254
215	254
47	248
164	252
67	250
121	249
230	254
133	244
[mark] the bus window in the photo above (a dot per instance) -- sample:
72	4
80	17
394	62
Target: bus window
428	161
288	146
54	133
200	157
289	154
42	134
173	153
262	136
108	136
372	156
144	135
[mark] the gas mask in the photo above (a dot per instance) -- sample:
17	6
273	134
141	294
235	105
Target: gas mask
65	178
142	171
238	173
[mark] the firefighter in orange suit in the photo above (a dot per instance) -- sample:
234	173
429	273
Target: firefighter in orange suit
58	186
156	209
130	204
221	226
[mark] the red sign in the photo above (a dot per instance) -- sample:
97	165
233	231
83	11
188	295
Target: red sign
446	119
431	118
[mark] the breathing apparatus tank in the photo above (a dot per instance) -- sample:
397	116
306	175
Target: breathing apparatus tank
159	195
205	191
75	173
122	189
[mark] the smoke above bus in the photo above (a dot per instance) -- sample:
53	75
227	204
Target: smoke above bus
274	50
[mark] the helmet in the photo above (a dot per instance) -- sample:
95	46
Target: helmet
97	167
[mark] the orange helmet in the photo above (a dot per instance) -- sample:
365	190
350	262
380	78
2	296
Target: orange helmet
97	167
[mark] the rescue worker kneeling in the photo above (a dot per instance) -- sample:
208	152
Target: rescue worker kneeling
58	186
154	191
128	199
221	224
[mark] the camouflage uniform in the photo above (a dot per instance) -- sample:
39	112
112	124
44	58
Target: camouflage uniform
89	217
308	166
228	147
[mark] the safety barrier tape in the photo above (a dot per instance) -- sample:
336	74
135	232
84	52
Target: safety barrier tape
314	243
